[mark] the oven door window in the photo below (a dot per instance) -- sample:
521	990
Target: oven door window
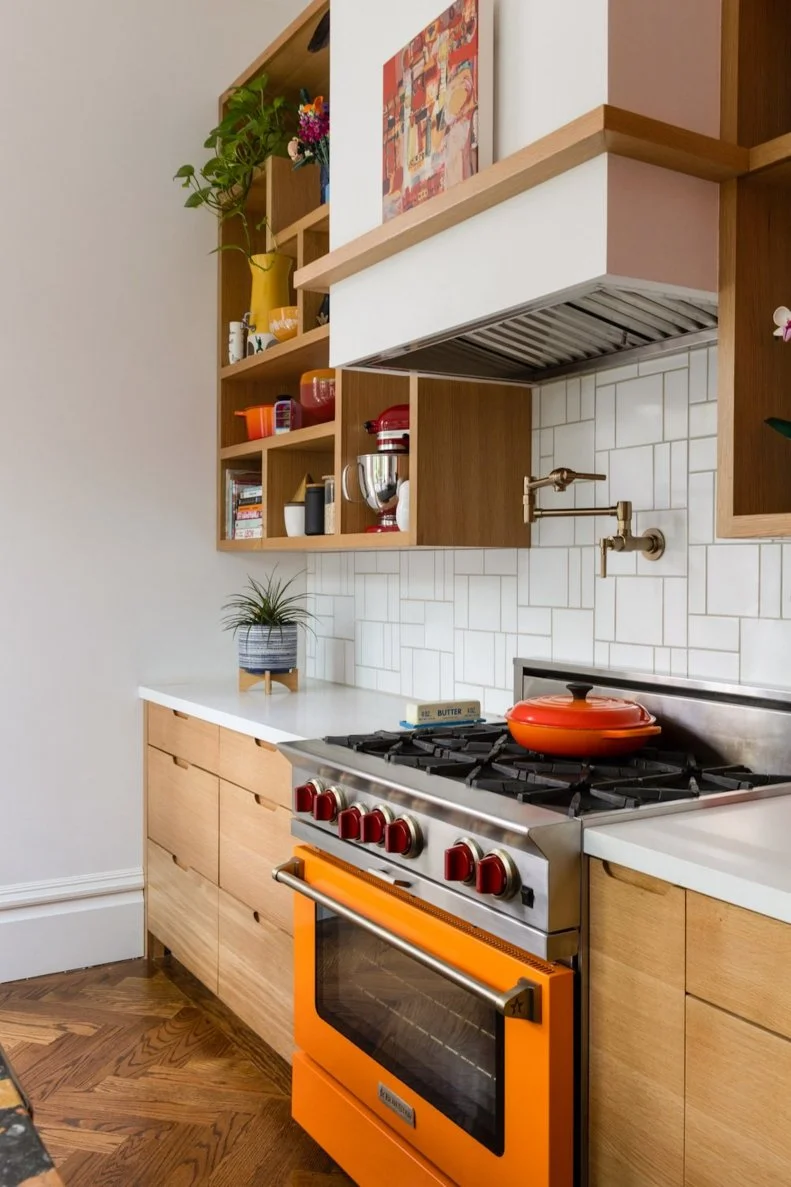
441	1040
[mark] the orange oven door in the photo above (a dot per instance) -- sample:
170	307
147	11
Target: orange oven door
425	1037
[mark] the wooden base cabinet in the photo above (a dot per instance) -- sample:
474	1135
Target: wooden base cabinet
214	834
690	1038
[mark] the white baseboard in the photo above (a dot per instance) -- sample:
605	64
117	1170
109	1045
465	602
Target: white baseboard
70	923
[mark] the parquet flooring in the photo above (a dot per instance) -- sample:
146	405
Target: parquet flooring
139	1077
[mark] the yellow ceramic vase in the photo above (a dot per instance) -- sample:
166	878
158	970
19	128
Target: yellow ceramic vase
270	272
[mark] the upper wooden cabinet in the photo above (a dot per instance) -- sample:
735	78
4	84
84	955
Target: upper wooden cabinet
755	272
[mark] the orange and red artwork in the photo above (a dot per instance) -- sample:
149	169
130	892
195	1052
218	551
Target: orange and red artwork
437	125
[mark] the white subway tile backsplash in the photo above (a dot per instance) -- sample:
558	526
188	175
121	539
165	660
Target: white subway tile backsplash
632	476
484	603
662	476
770	599
573	399
638	411
478	651
700	517
639	610
587	397
766	647
698	376
675	611
549	577
713	633
605	418
443	623
631	657
713	665
679	465
703	420
572	636
500	561
553	404
676	393
703	452
733	579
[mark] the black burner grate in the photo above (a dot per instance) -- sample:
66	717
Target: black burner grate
486	757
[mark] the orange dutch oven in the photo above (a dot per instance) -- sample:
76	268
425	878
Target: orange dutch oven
581	726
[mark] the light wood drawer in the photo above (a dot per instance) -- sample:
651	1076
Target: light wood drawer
739	960
255	765
183	811
256	973
188	737
182	912
255	836
737	1129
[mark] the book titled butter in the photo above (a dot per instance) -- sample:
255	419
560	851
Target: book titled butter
442	712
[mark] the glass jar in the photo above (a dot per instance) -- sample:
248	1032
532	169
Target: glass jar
329	504
314	509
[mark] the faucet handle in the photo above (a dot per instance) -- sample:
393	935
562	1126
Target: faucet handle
604	544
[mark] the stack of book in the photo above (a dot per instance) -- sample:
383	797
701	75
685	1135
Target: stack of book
243	506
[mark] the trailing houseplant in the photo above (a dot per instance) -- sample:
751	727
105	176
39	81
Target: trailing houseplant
253	129
265	619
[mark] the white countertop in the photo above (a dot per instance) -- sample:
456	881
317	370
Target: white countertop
739	853
318	709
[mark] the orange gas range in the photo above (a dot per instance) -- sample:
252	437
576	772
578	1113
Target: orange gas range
439	1005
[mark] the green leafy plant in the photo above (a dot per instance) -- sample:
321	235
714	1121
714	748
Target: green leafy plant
253	128
266	603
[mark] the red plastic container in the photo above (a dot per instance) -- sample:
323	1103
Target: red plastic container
317	396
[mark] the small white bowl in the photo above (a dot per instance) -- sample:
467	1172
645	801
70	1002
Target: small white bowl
294	515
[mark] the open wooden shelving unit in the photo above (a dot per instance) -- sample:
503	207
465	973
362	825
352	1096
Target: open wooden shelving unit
470	442
755	272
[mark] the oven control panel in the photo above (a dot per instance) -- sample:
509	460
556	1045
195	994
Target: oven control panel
478	867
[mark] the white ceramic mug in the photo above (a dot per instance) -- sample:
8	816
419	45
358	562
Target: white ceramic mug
294	515
257	343
236	342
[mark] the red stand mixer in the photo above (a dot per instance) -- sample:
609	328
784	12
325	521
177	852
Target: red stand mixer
380	475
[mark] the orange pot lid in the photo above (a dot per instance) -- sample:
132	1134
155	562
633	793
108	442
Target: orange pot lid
577	710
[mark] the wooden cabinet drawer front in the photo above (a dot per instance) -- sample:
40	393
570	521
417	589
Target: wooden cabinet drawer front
187	737
636	1037
256	973
255	765
737	1127
255	836
739	960
183	811
182	912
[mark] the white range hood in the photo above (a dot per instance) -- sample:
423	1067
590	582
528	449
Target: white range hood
611	255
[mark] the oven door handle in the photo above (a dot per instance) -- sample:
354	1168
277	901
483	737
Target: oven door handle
522	1001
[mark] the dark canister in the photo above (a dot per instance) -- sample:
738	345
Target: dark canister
314	509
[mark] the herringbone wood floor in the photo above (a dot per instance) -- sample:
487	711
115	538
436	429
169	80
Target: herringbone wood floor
139	1077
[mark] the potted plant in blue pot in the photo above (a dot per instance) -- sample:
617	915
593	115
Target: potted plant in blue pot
266	620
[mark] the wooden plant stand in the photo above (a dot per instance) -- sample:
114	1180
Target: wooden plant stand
248	679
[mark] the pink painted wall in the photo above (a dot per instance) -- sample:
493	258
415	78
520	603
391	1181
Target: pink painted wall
662	226
664	60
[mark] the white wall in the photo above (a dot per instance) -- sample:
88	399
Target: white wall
710	608
108	574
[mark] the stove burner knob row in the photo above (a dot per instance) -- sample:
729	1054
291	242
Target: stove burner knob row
461	860
373	825
403	837
305	794
350	822
497	875
328	804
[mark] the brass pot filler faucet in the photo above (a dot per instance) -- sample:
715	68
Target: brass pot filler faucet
651	543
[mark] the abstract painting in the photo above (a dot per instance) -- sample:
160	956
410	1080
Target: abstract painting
438	105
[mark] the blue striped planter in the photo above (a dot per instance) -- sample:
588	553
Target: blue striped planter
267	649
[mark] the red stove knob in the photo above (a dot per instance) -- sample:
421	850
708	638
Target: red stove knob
460	861
496	874
349	822
402	837
327	804
373	824
304	795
